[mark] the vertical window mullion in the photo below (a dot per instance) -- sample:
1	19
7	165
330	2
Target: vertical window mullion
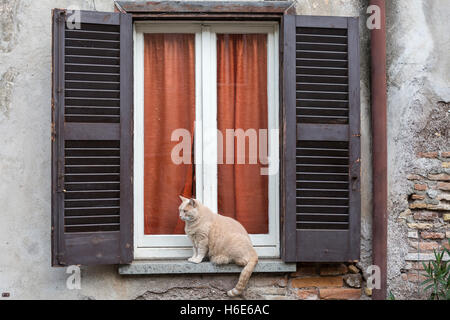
138	166
198	135
273	140
209	110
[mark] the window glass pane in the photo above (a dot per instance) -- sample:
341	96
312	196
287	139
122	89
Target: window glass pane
169	104
242	104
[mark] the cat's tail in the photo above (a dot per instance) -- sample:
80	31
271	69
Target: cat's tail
244	277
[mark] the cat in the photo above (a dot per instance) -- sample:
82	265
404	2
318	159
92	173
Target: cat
222	238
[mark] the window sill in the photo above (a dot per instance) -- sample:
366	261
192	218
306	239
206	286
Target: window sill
184	267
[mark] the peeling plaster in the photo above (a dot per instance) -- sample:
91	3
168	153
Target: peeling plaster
418	119
9	24
6	90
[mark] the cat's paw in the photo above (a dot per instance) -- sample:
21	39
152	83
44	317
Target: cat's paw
233	293
195	260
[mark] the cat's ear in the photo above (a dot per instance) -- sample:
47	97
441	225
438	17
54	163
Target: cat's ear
183	199
193	203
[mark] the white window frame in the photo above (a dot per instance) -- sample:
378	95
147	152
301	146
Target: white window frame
179	246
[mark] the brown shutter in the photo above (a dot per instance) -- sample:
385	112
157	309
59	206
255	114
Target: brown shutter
321	154
92	139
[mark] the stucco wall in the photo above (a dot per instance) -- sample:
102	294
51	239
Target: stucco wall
418	49
25	120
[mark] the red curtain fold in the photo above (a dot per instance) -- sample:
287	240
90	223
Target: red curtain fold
169	104
242	103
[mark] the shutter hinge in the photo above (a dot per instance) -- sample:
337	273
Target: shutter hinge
60	258
53	133
60	184
61	17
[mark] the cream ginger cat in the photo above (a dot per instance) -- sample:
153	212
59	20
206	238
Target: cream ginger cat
222	238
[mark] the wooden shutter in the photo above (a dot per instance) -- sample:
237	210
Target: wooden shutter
92	138
321	167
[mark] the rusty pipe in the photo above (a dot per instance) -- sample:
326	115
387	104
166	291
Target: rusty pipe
379	149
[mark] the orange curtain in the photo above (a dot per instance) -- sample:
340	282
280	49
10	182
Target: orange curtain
242	103
169	104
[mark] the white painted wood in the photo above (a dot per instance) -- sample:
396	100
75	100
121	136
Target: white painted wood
140	239
157	253
198	135
168	27
209	109
273	126
138	166
240	28
179	246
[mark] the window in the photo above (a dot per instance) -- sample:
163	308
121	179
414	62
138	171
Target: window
205	78
263	68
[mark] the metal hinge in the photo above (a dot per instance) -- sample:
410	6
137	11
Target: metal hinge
60	183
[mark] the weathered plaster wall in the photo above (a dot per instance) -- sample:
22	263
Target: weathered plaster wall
25	120
418	114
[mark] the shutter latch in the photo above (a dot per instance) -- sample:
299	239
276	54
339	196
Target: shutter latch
60	184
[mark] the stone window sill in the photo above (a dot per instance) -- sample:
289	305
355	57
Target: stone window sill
185	267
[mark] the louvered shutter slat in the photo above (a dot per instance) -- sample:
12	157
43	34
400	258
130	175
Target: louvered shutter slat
321	150
92	99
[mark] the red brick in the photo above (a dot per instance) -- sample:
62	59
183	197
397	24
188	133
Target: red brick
439	207
428	154
305	270
308	294
333	270
416	276
420	225
445	154
340	294
439	176
432	235
418	205
420	187
425	215
444	186
353	269
413	177
424	246
414	266
317	282
417	196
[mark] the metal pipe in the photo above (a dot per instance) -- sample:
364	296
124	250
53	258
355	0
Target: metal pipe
379	149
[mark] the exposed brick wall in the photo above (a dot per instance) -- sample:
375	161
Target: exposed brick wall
311	281
428	215
314	281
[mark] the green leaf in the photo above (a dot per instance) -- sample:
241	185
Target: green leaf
429	287
426	281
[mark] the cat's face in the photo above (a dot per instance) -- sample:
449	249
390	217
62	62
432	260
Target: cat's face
188	209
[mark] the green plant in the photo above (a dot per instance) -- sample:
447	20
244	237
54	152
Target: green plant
437	275
391	296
